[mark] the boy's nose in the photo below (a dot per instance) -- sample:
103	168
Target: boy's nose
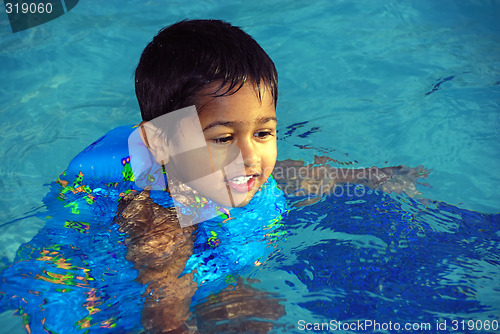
250	154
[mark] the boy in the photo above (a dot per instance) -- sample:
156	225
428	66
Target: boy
223	149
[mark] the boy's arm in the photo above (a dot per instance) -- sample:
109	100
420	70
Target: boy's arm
159	249
293	177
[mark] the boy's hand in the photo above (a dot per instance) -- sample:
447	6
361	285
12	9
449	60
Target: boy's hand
297	179
400	179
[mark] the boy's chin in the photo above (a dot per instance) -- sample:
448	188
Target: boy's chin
243	202
242	199
234	201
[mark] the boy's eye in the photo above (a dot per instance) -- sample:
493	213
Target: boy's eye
222	140
263	134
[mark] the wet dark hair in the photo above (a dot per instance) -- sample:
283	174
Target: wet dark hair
187	57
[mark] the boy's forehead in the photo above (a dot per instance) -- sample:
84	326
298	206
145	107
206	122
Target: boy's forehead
244	104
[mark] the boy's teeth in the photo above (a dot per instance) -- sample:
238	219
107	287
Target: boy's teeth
240	179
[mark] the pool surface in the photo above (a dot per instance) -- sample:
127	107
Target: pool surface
365	83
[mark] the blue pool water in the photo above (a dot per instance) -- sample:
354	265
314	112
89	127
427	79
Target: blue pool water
366	83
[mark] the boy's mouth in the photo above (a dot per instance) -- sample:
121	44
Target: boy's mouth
242	183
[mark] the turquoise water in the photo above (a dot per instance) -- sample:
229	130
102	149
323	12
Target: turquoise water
378	83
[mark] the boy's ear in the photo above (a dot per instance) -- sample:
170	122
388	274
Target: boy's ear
155	141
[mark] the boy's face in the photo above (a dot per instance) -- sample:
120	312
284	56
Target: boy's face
238	124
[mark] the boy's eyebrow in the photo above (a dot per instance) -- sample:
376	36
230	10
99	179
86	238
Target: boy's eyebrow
262	120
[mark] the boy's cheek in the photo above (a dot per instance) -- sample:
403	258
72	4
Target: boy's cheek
269	168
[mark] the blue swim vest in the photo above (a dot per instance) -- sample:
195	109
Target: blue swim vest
72	277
